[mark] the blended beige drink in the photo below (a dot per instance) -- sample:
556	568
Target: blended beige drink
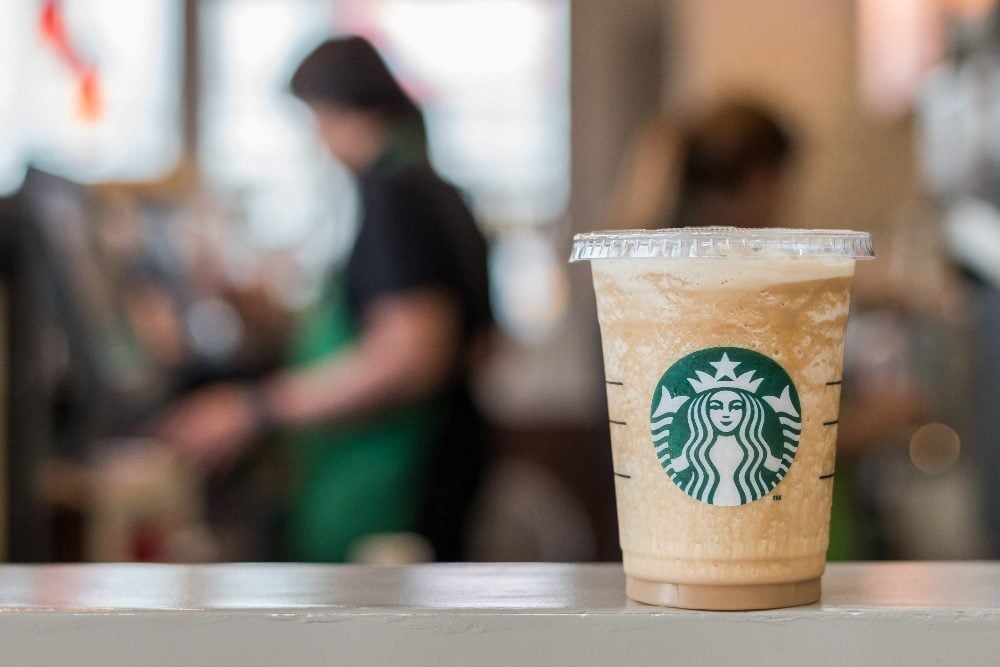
723	351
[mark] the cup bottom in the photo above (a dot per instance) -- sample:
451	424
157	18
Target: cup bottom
713	597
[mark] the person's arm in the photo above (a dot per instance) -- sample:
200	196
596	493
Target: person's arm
406	350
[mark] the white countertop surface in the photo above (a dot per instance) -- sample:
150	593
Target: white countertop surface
481	614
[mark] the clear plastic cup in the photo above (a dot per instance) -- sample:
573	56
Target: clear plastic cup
723	352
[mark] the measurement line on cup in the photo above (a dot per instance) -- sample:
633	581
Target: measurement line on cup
615	383
834	382
615	421
827	476
623	475
831	423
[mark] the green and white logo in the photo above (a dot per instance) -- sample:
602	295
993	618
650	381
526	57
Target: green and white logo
726	424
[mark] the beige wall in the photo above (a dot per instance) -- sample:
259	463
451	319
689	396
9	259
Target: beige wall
799	55
617	79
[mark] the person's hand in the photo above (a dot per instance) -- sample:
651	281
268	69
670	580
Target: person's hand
212	426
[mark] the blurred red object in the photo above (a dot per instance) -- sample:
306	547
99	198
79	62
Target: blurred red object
53	29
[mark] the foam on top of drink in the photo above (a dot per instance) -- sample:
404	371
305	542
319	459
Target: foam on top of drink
721	273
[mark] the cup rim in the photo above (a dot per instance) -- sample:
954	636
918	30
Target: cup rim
722	243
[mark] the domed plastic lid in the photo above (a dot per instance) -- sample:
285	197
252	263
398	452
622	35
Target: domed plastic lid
722	243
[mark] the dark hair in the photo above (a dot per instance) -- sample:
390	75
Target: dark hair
350	72
738	138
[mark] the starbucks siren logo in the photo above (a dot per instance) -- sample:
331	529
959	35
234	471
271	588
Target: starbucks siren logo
726	436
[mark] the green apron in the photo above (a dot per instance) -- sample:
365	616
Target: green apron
844	538
354	479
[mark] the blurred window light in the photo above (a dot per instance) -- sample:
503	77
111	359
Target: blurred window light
258	149
90	89
531	292
12	20
972	230
493	77
898	41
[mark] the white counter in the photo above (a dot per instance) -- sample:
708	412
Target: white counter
879	614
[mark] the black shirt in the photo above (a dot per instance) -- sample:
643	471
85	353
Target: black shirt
416	232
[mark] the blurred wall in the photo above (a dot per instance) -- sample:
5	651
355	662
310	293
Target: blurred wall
618	70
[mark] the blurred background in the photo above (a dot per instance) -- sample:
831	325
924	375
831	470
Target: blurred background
166	210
